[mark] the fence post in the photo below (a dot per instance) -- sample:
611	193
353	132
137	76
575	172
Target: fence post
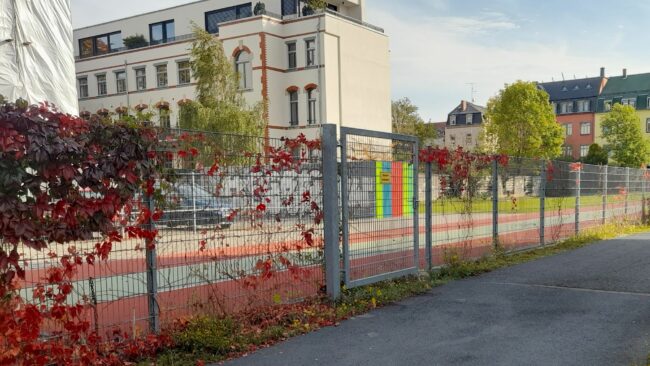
428	221
495	202
331	211
627	189
152	271
193	204
542	204
578	186
605	194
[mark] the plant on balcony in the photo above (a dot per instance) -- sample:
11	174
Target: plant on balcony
135	41
260	8
311	6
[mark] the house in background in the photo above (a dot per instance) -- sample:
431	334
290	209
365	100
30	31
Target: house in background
464	125
632	90
574	103
307	68
439	141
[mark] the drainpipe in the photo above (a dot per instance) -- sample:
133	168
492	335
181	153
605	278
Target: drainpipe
126	76
320	71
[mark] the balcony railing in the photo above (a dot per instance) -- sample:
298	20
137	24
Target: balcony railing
185	37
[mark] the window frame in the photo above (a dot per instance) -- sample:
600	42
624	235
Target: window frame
102	91
585	149
80	86
607	105
294	111
140	77
568	129
452	120
93	44
629	101
469	119
247	68
292	55
164	113
582	128
647	125
568	150
309	50
311	107
165	37
238	14
181	71
118	81
159	74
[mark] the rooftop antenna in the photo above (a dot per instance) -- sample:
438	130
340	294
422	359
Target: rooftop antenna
473	91
563	77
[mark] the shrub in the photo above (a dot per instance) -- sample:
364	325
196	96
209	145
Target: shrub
135	41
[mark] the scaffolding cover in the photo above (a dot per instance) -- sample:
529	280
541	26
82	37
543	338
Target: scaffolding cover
36	52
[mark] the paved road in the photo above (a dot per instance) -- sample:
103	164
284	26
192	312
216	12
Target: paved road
586	307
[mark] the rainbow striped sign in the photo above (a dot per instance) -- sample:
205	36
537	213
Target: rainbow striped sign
394	198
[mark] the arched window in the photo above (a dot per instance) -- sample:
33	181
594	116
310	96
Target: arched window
244	70
293	107
311	106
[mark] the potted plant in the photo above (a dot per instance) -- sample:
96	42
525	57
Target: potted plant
260	8
135	41
311	6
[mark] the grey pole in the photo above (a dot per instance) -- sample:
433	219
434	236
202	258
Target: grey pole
152	272
577	188
495	203
428	221
627	189
542	203
605	194
331	211
416	204
193	204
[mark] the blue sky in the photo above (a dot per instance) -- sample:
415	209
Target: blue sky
438	47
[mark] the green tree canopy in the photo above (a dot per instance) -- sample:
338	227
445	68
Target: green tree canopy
220	105
407	121
596	155
624	137
520	122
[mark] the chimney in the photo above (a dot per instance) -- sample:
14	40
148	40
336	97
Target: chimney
602	72
463	105
624	73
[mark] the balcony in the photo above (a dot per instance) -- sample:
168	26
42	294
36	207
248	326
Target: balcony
185	37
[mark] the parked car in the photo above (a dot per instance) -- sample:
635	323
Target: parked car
192	206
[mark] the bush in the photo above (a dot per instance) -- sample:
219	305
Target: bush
135	41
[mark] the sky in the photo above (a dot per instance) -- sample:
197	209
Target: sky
440	47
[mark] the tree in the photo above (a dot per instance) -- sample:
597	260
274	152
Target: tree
220	105
407	121
596	155
520	122
624	138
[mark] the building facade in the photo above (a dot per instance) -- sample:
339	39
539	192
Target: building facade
307	68
632	90
464	126
574	103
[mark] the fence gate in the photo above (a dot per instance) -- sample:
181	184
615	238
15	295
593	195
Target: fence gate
379	202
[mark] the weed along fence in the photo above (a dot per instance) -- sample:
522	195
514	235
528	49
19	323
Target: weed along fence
226	222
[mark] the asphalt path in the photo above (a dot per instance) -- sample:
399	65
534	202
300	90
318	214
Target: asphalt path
590	306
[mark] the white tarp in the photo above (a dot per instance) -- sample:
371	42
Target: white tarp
36	52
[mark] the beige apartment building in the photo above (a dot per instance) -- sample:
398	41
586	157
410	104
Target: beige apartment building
309	67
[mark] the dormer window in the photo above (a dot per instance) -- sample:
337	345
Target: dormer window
564	88
588	86
576	87
452	120
469	119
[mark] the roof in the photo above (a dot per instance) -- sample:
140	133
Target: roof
631	84
471	108
572	89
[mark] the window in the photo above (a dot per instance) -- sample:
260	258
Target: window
101	84
647	125
83	87
452	120
569	129
566	107
293	108
554	106
584	150
291	53
469	118
100	45
120	81
311	107
648	103
184	73
585	128
629	101
244	70
164	118
141	79
607	105
468	138
568	150
584	105
310	45
161	75
289	7
214	18
332	7
161	32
